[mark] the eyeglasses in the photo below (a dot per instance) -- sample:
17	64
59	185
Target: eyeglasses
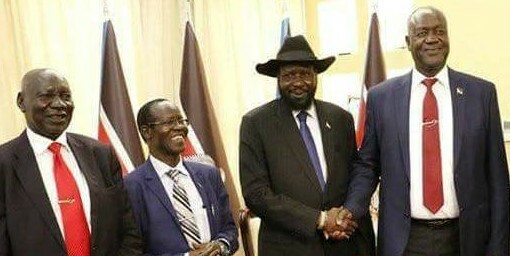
171	124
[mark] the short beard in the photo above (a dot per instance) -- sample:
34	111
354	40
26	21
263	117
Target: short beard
297	104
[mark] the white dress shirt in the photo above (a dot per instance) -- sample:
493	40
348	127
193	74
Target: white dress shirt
441	90
44	158
197	205
312	121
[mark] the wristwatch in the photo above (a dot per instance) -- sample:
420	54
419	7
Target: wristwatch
224	250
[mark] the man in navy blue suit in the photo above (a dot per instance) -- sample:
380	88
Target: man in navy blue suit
180	206
433	140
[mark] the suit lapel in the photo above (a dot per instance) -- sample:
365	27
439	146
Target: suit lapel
458	94
155	186
198	180
291	136
86	161
401	97
30	178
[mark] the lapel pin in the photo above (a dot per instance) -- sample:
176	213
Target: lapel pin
328	126
459	91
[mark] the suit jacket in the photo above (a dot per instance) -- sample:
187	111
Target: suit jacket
157	219
281	187
27	223
479	165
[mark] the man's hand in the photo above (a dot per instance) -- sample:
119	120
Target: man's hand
206	249
330	221
345	220
340	224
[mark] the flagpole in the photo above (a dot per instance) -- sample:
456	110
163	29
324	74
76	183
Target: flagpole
303	15
106	11
375	6
285	8
189	12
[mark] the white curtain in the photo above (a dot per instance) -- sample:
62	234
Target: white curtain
67	35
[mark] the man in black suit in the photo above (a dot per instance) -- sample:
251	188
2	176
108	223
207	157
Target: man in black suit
295	160
60	193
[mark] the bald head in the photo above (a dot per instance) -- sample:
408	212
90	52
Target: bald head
40	75
427	40
419	12
45	99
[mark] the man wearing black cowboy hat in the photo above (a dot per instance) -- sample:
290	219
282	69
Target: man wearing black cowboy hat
295	157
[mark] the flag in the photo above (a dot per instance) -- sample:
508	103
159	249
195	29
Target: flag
285	30
284	33
374	73
117	125
203	141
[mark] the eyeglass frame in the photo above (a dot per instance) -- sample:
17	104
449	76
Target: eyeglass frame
171	124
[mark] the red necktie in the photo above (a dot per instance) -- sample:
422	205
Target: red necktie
76	231
432	179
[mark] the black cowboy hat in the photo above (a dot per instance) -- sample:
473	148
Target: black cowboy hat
295	50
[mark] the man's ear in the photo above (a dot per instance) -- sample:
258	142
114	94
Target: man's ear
146	133
21	102
408	42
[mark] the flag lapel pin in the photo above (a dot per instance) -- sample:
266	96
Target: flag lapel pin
459	91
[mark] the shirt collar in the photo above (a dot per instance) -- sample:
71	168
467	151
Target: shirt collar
40	143
442	77
162	168
312	111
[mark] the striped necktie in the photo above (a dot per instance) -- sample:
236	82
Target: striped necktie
183	209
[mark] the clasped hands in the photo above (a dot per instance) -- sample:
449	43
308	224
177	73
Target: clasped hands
339	224
206	249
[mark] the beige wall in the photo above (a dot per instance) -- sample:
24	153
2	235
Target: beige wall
479	41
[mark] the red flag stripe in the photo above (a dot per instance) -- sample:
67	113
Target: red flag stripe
194	142
103	137
360	128
188	149
194	152
198	107
116	113
114	140
374	73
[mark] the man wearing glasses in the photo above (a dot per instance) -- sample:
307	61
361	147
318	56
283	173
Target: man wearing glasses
181	207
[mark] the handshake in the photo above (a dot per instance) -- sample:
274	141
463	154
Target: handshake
337	223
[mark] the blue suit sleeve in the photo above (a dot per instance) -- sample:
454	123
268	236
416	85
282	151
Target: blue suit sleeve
499	184
365	173
228	229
